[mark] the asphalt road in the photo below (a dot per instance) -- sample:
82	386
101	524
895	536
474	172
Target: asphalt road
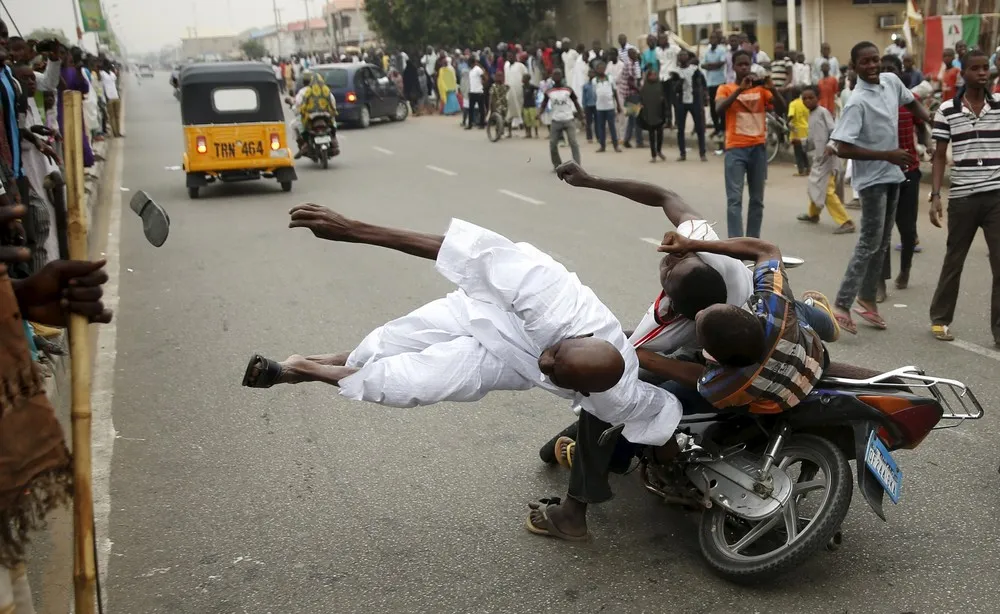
292	500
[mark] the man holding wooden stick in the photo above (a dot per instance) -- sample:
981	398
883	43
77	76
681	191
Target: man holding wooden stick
35	467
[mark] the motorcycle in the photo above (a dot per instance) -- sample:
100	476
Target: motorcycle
774	489
321	141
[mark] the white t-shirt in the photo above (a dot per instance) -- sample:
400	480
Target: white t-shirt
561	104
476	80
668	61
110	84
662	330
604	92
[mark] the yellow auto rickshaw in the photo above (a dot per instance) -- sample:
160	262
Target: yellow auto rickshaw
234	126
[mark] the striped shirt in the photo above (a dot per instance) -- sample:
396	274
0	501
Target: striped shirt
975	145
794	357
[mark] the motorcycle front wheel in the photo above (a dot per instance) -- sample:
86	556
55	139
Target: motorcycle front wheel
751	552
324	159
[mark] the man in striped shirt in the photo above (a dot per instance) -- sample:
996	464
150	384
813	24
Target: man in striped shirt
759	354
971	123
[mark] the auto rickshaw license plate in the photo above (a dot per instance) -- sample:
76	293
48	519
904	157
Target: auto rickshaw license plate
240	149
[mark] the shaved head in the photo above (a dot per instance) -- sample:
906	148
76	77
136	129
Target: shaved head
583	364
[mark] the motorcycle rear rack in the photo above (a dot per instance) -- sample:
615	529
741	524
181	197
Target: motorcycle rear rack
956	399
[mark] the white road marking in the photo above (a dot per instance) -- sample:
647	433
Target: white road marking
102	392
656	242
977	349
521	197
443	171
383	150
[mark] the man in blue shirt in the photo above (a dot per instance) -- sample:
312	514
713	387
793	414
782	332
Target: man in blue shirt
649	60
713	62
868	133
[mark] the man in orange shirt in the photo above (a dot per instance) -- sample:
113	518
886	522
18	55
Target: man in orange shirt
745	105
950	76
828	87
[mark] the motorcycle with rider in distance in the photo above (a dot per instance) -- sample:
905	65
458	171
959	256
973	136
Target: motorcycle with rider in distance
773	489
321	140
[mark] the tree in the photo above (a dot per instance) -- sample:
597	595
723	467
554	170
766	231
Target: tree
42	34
413	24
253	49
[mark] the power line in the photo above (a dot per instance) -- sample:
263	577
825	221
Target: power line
10	18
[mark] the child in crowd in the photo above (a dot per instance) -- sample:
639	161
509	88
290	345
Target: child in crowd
498	101
949	76
798	125
828	88
544	115
653	113
529	114
825	166
589	104
607	106
801	72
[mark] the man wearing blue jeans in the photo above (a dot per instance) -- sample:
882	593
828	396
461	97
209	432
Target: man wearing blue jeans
744	105
868	133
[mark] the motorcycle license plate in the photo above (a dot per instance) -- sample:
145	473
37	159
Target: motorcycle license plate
323	140
883	467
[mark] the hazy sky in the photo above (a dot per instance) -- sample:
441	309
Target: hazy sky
143	28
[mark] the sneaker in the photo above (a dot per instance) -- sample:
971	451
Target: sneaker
819	300
682	158
805	217
846	228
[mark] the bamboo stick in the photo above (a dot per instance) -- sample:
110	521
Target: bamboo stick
84	567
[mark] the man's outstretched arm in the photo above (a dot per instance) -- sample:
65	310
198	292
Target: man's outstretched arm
742	248
673	206
332	226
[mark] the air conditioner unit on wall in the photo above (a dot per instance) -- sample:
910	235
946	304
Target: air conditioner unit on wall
890	21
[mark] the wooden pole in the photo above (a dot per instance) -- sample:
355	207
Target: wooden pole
84	566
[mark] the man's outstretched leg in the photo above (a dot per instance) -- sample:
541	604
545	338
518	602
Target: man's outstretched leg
327	368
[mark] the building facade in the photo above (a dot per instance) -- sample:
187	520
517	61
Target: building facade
210	48
842	23
348	24
311	36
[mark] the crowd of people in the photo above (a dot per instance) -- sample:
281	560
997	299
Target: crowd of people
623	96
39	286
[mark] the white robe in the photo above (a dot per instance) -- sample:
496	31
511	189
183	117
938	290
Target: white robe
514	77
570	58
513	302
36	167
581	75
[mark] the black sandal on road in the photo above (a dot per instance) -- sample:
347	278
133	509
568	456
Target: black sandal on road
268	372
544	526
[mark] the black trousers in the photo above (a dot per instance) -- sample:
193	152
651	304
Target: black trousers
592	462
801	159
966	215
477	109
907	210
670	94
717	119
656	140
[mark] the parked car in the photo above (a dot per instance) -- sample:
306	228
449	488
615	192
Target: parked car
363	92
145	70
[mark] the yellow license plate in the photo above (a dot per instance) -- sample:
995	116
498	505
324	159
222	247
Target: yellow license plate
240	149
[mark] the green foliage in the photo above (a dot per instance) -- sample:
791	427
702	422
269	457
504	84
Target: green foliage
414	24
42	34
253	49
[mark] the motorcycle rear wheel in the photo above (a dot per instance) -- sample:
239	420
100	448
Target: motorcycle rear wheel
726	558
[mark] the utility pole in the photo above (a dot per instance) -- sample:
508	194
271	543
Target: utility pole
309	33
277	26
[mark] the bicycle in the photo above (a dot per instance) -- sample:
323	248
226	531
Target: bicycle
778	132
495	127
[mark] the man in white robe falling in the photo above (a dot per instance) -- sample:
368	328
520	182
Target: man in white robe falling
518	320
